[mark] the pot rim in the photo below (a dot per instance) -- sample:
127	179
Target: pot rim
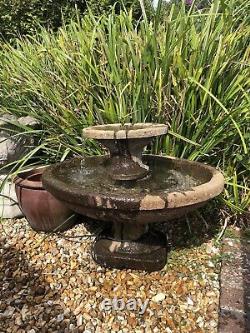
22	178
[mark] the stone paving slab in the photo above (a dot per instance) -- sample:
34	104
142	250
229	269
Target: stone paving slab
235	287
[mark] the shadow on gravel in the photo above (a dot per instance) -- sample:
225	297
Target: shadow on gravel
26	299
194	229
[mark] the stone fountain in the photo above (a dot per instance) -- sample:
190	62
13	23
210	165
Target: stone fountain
131	191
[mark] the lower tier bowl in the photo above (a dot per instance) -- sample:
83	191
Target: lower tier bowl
173	188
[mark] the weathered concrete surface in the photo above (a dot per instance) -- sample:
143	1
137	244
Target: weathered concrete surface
235	287
13	146
8	200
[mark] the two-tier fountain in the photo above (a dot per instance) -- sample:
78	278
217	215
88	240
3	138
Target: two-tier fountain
131	191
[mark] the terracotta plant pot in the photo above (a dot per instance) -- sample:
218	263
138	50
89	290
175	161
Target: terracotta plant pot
43	211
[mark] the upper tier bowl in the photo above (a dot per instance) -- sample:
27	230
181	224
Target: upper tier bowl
125	143
125	131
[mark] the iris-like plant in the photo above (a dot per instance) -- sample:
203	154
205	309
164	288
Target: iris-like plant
190	69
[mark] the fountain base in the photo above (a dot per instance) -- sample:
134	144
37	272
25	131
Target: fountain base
148	253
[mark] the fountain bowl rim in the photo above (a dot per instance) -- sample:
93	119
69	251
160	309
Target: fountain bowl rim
124	131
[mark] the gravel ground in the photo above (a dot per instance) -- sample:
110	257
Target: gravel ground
51	284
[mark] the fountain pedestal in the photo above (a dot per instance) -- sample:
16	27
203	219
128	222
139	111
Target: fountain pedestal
128	246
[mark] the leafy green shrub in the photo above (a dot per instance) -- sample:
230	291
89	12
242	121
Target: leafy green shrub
22	17
106	6
190	71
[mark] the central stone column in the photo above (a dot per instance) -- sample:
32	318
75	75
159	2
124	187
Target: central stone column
125	161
